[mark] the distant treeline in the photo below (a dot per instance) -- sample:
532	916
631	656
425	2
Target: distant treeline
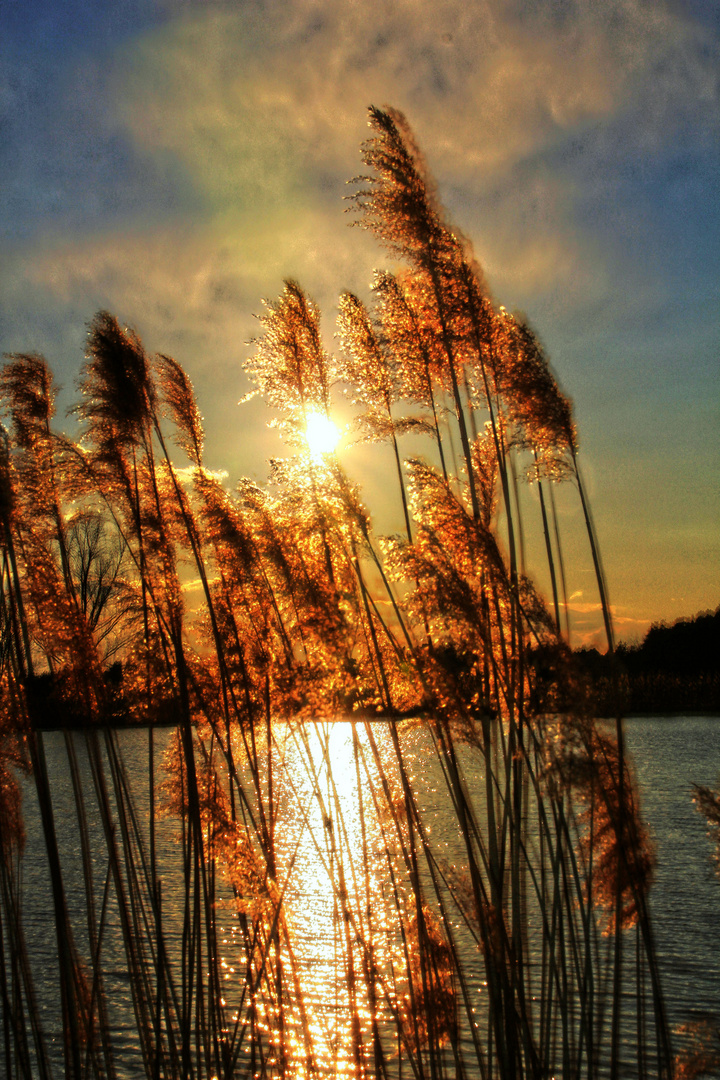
675	669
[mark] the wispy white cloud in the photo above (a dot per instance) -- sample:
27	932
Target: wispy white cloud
263	107
250	97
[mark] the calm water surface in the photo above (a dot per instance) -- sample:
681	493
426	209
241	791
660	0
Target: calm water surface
669	755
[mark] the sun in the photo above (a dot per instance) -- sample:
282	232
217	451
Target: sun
321	434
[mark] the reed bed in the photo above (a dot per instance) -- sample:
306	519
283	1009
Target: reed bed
136	587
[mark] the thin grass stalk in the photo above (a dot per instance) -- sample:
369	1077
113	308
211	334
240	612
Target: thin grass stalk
435	875
20	1007
584	978
262	828
126	910
192	535
332	858
368	953
518	512
482	1056
450	355
550	559
63	930
351	980
199	870
98	994
142	566
159	981
14	1025
640	1019
387	284
589	944
599	576
527	1038
561	561
10	1024
662	1028
499	991
618	960
558	912
403	493
165	992
455	472
135	866
517	843
416	1062
573	962
550	972
199	878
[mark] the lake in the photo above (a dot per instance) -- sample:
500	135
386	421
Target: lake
669	754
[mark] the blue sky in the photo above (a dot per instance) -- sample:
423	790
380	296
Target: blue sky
174	161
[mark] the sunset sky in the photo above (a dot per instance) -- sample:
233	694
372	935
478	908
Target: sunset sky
173	162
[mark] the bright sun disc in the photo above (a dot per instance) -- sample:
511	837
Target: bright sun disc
321	434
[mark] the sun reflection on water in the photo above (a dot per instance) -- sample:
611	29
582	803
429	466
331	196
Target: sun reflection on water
341	924
334	901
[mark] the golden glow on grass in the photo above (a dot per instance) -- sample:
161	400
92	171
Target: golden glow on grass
321	434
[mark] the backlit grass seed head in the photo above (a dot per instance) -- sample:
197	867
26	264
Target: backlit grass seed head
265	519
485	468
471	546
58	627
179	396
534	400
27	392
442	594
408	312
473	307
119	395
399	205
535	611
366	365
26	386
290	367
225	526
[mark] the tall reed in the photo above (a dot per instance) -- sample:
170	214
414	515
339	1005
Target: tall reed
251	622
